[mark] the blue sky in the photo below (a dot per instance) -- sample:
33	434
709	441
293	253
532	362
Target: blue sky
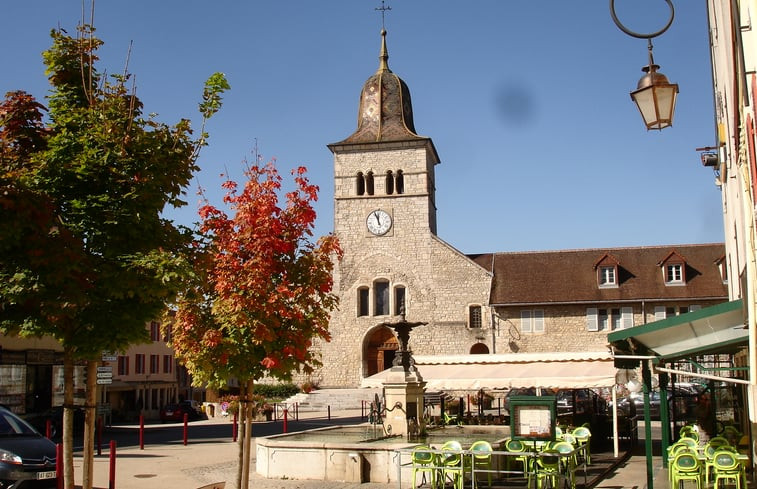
527	103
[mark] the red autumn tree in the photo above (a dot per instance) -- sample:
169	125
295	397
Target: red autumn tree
262	290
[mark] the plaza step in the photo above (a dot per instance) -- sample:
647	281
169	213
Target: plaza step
335	399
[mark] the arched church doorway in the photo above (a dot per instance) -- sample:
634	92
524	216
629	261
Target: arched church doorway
380	350
479	349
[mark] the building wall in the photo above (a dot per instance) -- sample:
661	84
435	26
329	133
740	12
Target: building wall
566	325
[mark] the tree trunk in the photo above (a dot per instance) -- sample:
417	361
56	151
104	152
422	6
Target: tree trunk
240	432
68	419
247	437
88	454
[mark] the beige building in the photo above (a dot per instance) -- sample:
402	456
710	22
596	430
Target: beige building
733	158
143	378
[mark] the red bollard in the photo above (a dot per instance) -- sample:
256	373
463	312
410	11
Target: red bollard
59	465
112	471
234	429
286	415
186	420
141	432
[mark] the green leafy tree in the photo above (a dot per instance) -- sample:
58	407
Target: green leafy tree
85	254
262	291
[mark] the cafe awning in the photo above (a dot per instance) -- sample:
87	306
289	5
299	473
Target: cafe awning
716	329
557	370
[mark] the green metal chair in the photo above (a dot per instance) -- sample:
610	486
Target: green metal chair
685	467
548	469
728	469
424	461
482	457
709	450
583	437
568	460
517	446
454	464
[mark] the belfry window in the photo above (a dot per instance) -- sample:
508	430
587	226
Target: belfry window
360	183
369	183
399	182
389	182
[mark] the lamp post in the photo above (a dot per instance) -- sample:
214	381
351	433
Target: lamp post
654	96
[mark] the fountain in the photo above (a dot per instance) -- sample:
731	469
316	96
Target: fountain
369	452
403	387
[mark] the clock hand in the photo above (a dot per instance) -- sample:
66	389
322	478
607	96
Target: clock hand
378	219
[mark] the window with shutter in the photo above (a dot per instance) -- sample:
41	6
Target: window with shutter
659	313
538	317
592	319
525	321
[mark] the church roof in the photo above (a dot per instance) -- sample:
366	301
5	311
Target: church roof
385	112
570	276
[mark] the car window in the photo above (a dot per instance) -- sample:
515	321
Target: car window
13	425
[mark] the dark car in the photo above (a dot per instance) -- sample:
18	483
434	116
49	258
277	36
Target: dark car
174	413
27	459
587	401
682	404
55	416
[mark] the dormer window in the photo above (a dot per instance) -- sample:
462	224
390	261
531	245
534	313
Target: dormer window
722	268
673	269
607	271
674	273
607	276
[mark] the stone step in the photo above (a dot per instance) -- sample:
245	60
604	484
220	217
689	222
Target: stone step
336	399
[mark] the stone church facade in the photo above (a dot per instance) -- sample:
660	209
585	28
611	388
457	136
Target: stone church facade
395	266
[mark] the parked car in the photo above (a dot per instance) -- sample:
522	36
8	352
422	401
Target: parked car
684	402
194	406
587	401
174	413
55	416
27	458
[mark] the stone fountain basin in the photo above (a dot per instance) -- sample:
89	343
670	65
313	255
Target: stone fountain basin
354	453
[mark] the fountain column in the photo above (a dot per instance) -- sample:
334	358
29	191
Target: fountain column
404	387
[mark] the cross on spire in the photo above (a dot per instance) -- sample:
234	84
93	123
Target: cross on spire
383	10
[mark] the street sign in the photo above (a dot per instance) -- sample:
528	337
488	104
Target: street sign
104	375
109	356
104	381
105	369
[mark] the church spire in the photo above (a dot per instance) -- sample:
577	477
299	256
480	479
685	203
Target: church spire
384	54
385	112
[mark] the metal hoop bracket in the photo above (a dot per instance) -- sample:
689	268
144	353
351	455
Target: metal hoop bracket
636	34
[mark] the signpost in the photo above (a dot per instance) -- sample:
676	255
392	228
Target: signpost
104	375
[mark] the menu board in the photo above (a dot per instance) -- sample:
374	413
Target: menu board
533	417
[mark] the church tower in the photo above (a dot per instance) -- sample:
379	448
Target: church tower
393	263
384	169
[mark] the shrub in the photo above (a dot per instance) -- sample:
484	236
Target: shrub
275	391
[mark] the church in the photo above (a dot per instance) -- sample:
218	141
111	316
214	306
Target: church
556	303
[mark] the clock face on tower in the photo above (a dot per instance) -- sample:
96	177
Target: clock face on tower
379	222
